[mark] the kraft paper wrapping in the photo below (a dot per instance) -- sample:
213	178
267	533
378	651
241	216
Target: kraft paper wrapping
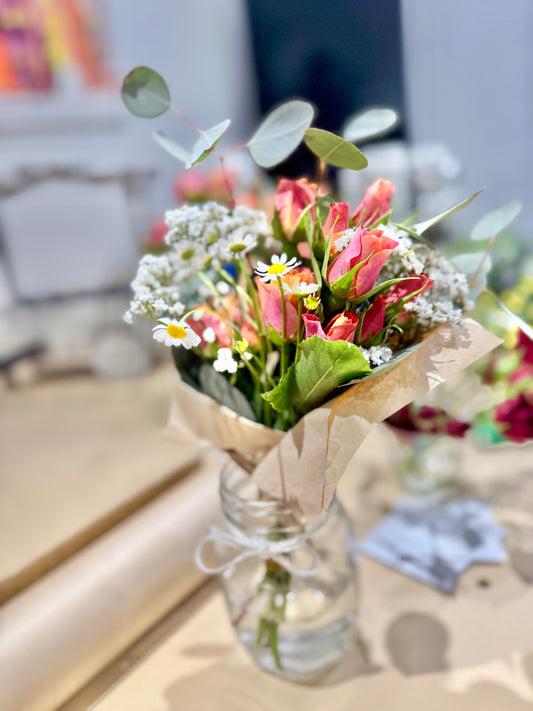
305	464
63	629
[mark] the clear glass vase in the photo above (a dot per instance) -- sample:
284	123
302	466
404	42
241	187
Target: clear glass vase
292	594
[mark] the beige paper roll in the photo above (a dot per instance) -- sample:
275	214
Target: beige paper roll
63	629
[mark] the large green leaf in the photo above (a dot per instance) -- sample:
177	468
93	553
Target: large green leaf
334	150
496	221
320	369
217	386
145	93
423	226
172	147
370	124
206	143
280	133
396	358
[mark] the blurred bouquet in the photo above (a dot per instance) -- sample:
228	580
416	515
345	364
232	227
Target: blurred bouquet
493	399
296	321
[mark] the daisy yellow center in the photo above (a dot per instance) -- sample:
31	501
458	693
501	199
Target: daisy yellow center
176	331
187	254
276	269
237	247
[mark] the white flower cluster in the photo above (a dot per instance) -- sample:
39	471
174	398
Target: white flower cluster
199	234
155	289
377	355
447	299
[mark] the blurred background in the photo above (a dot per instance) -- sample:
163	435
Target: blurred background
82	182
95	513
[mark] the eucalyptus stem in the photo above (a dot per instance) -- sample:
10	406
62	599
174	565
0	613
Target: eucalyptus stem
478	270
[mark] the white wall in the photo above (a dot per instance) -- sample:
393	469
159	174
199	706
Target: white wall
202	48
469	83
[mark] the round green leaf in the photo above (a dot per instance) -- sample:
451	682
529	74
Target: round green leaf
207	143
334	150
496	221
280	133
370	124
145	93
172	147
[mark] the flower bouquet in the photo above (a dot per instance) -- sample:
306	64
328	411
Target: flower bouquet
298	333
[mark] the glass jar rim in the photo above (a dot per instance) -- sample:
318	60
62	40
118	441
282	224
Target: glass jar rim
245	511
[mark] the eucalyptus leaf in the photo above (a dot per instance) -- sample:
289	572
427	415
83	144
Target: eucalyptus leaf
280	133
145	93
423	226
496	221
470	265
334	150
218	387
206	143
370	124
522	325
172	147
320	369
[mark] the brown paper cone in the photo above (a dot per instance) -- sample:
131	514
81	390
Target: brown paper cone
305	464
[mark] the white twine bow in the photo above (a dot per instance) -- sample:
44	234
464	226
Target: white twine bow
259	546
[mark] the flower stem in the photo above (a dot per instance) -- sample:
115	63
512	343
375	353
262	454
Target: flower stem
283	322
299	331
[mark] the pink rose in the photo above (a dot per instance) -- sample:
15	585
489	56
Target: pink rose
292	196
375	316
516	418
374	247
337	222
217	319
271	303
340	328
375	203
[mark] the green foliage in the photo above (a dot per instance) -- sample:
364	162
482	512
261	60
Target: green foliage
379	289
320	369
217	386
145	93
370	124
474	264
172	147
522	325
280	133
423	226
334	150
496	221
207	142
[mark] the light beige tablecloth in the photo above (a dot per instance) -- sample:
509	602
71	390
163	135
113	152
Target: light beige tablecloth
467	651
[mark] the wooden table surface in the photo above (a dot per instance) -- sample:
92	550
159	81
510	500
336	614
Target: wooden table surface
466	651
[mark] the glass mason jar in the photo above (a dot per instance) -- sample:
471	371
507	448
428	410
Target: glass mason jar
291	589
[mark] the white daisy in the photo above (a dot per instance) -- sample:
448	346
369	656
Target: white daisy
278	267
238	242
225	361
175	333
300	289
